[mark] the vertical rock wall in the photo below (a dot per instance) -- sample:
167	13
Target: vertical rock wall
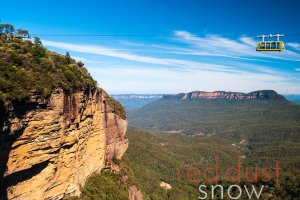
49	149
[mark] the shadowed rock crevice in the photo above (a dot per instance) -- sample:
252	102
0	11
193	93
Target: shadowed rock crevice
7	138
20	176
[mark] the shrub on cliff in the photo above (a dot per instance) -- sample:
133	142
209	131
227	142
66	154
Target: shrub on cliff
104	186
117	107
27	67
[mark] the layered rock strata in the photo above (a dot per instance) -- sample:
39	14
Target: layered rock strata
50	147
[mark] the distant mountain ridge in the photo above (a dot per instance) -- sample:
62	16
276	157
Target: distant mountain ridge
217	112
260	94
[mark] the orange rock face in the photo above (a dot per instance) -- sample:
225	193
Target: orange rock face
49	148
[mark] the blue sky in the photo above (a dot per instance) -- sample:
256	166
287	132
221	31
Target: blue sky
182	46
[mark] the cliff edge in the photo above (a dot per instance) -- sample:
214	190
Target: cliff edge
56	126
49	148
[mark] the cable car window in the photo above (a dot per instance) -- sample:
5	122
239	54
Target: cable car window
268	45
273	45
262	45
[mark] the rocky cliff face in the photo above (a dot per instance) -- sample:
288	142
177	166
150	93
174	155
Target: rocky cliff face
261	94
50	147
135	193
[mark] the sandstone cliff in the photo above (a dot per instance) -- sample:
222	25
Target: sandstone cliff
50	147
261	94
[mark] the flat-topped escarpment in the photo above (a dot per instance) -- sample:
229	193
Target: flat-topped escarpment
260	94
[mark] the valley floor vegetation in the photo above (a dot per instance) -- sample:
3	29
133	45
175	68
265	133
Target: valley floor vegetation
103	186
155	157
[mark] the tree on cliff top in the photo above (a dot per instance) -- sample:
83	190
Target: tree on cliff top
8	31
27	67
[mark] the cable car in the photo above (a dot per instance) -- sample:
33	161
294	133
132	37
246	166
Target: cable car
270	45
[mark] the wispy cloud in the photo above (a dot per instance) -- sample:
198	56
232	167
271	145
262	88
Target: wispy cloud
189	63
202	52
296	46
85	60
241	47
106	51
135	80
